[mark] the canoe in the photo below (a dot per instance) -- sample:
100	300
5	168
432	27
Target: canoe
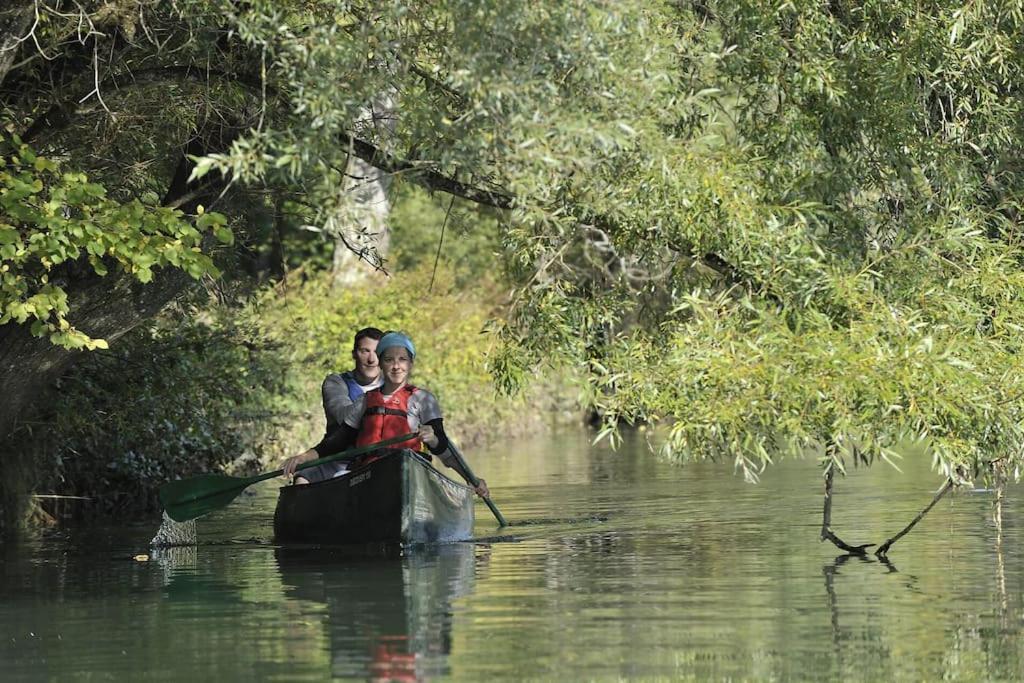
399	498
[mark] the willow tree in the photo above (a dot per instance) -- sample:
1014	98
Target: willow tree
770	227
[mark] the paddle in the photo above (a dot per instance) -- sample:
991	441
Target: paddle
474	482
187	499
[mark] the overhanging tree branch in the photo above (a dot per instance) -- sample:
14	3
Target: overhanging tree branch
425	174
60	115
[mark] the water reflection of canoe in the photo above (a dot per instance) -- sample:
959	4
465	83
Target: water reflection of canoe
387	616
398	498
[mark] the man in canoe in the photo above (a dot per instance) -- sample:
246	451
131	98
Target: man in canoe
393	409
341	389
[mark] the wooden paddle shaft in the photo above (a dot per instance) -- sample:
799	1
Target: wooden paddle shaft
351	453
474	481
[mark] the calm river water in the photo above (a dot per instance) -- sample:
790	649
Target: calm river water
617	566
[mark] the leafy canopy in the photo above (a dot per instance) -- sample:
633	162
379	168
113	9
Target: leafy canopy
773	226
49	218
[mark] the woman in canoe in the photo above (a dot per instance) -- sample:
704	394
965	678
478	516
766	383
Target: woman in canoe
393	409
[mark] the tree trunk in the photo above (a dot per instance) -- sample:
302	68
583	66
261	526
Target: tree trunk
15	22
883	549
361	227
826	516
365	239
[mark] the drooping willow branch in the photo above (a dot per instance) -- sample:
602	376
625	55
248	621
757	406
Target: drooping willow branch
424	173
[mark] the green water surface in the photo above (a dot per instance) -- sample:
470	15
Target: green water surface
617	567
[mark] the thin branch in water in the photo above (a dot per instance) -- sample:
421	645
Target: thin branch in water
884	548
826	519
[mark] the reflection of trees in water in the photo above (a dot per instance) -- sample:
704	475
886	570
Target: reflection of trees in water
989	645
173	559
999	475
388	617
871	642
581	562
981	643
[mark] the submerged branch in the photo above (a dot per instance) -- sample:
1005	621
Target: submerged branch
884	548
826	520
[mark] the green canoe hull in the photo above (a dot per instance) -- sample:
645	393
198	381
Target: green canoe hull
399	498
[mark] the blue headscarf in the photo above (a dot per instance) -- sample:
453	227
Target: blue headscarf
396	339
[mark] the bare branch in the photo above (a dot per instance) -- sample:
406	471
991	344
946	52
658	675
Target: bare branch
425	174
96	80
826	519
884	548
14	22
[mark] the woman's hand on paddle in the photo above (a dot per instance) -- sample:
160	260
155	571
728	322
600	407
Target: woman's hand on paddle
291	463
427	436
482	490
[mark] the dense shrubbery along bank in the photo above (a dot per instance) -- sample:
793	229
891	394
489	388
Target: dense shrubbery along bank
239	389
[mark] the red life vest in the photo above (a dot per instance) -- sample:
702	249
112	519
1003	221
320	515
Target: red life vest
386	418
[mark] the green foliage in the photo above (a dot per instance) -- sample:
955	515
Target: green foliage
185	396
865	194
765	224
468	239
49	218
314	323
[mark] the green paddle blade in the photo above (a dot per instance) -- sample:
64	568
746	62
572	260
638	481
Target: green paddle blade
187	499
190	498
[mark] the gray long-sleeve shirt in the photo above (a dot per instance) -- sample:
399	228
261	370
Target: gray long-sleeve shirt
337	401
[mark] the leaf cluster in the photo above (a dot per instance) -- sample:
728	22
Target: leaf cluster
49	219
